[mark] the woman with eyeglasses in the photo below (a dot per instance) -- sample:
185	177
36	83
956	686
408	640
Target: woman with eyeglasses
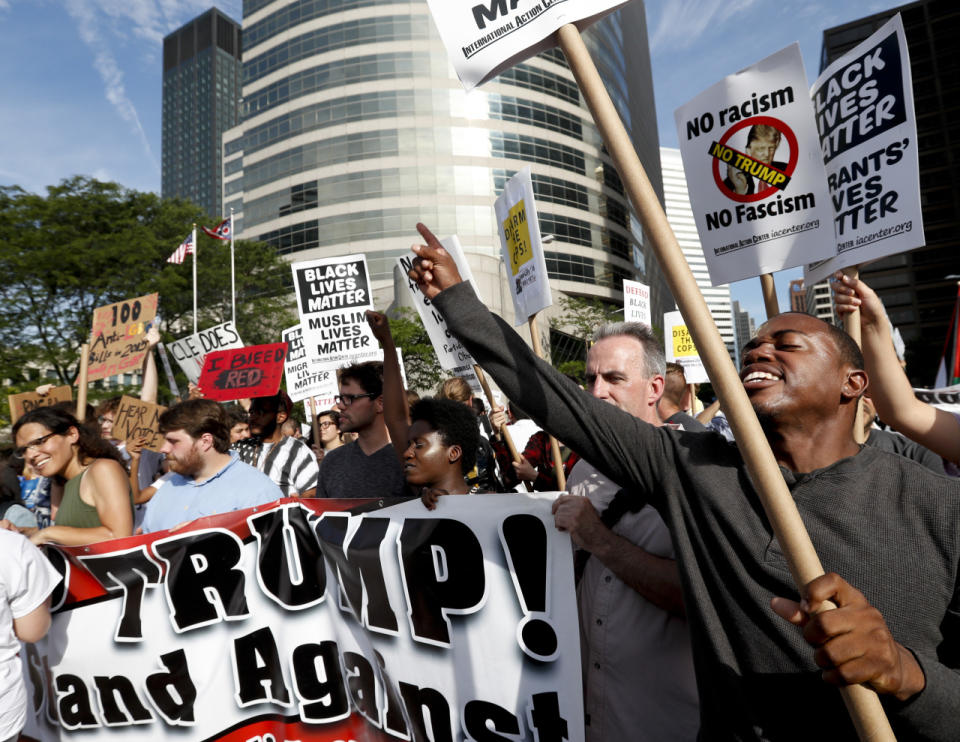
97	504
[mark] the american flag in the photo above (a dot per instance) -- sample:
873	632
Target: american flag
180	254
222	230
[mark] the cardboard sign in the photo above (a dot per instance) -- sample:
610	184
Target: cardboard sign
485	37
332	296
305	377
189	351
117	342
522	247
136	419
238	373
754	171
450	351
23	402
868	132
636	302
679	348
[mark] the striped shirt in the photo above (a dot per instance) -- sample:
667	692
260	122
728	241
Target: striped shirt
289	463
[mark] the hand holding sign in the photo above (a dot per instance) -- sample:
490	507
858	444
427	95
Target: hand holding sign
433	270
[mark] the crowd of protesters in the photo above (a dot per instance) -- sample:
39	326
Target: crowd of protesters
690	624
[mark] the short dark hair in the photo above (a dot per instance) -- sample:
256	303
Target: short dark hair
236	415
332	414
369	375
675	383
111	404
281	401
196	417
850	352
456	424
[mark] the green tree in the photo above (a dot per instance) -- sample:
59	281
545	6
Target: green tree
572	329
419	358
88	243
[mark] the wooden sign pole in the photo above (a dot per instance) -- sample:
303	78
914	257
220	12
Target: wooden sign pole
314	422
862	703
82	383
554	446
769	289
851	325
504	432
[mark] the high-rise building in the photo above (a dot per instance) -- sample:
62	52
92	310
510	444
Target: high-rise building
354	128
918	287
680	216
201	91
744	329
798	296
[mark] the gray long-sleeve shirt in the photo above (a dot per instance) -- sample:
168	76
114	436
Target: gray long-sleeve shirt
887	525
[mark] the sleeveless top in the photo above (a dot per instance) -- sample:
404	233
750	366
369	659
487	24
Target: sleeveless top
74	511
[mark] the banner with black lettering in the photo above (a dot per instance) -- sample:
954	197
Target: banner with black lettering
754	171
318	620
189	351
868	134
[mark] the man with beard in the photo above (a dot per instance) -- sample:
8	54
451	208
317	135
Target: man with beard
369	466
288	461
206	478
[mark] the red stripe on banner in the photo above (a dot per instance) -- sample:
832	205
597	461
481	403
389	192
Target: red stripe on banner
278	729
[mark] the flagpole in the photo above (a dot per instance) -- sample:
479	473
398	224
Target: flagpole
195	279
233	280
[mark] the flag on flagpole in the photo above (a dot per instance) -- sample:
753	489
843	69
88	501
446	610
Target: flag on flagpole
180	254
221	231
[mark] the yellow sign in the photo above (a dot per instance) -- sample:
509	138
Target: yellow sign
682	342
518	236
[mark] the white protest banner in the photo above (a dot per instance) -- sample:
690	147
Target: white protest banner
451	354
754	171
868	132
332	296
484	37
189	351
306	378
318	620
522	247
680	349
636	302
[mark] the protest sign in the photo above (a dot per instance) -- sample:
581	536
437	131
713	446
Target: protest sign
680	349
306	377
522	247
189	351
332	296
754	171
868	133
25	401
238	373
451	354
117	342
636	302
318	620
484	37
138	419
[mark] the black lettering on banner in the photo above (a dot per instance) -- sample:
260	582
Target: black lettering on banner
363	589
322	697
131	572
290	566
415	700
204	582
394	721
524	538
363	686
62	565
442	570
129	710
545	718
73	703
480	716
172	691
257	671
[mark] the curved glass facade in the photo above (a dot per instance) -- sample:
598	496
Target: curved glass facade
355	128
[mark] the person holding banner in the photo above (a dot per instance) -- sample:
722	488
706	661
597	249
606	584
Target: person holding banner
765	656
890	388
97	503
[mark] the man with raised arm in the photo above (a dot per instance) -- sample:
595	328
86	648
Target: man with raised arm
884	527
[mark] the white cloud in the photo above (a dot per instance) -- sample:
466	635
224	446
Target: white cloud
682	22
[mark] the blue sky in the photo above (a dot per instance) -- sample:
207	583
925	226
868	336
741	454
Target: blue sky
82	78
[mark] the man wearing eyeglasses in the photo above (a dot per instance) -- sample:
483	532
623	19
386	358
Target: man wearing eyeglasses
367	467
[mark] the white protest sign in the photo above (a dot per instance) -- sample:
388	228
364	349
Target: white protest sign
189	351
680	349
485	37
305	378
868	133
636	302
450	352
332	296
322	379
754	171
522	247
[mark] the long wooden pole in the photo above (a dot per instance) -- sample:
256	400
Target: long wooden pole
504	432
554	446
314	422
769	289
862	703
82	382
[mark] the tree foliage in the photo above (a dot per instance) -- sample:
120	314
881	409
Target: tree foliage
580	316
419	358
89	243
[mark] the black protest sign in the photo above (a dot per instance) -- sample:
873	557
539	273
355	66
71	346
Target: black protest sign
323	286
